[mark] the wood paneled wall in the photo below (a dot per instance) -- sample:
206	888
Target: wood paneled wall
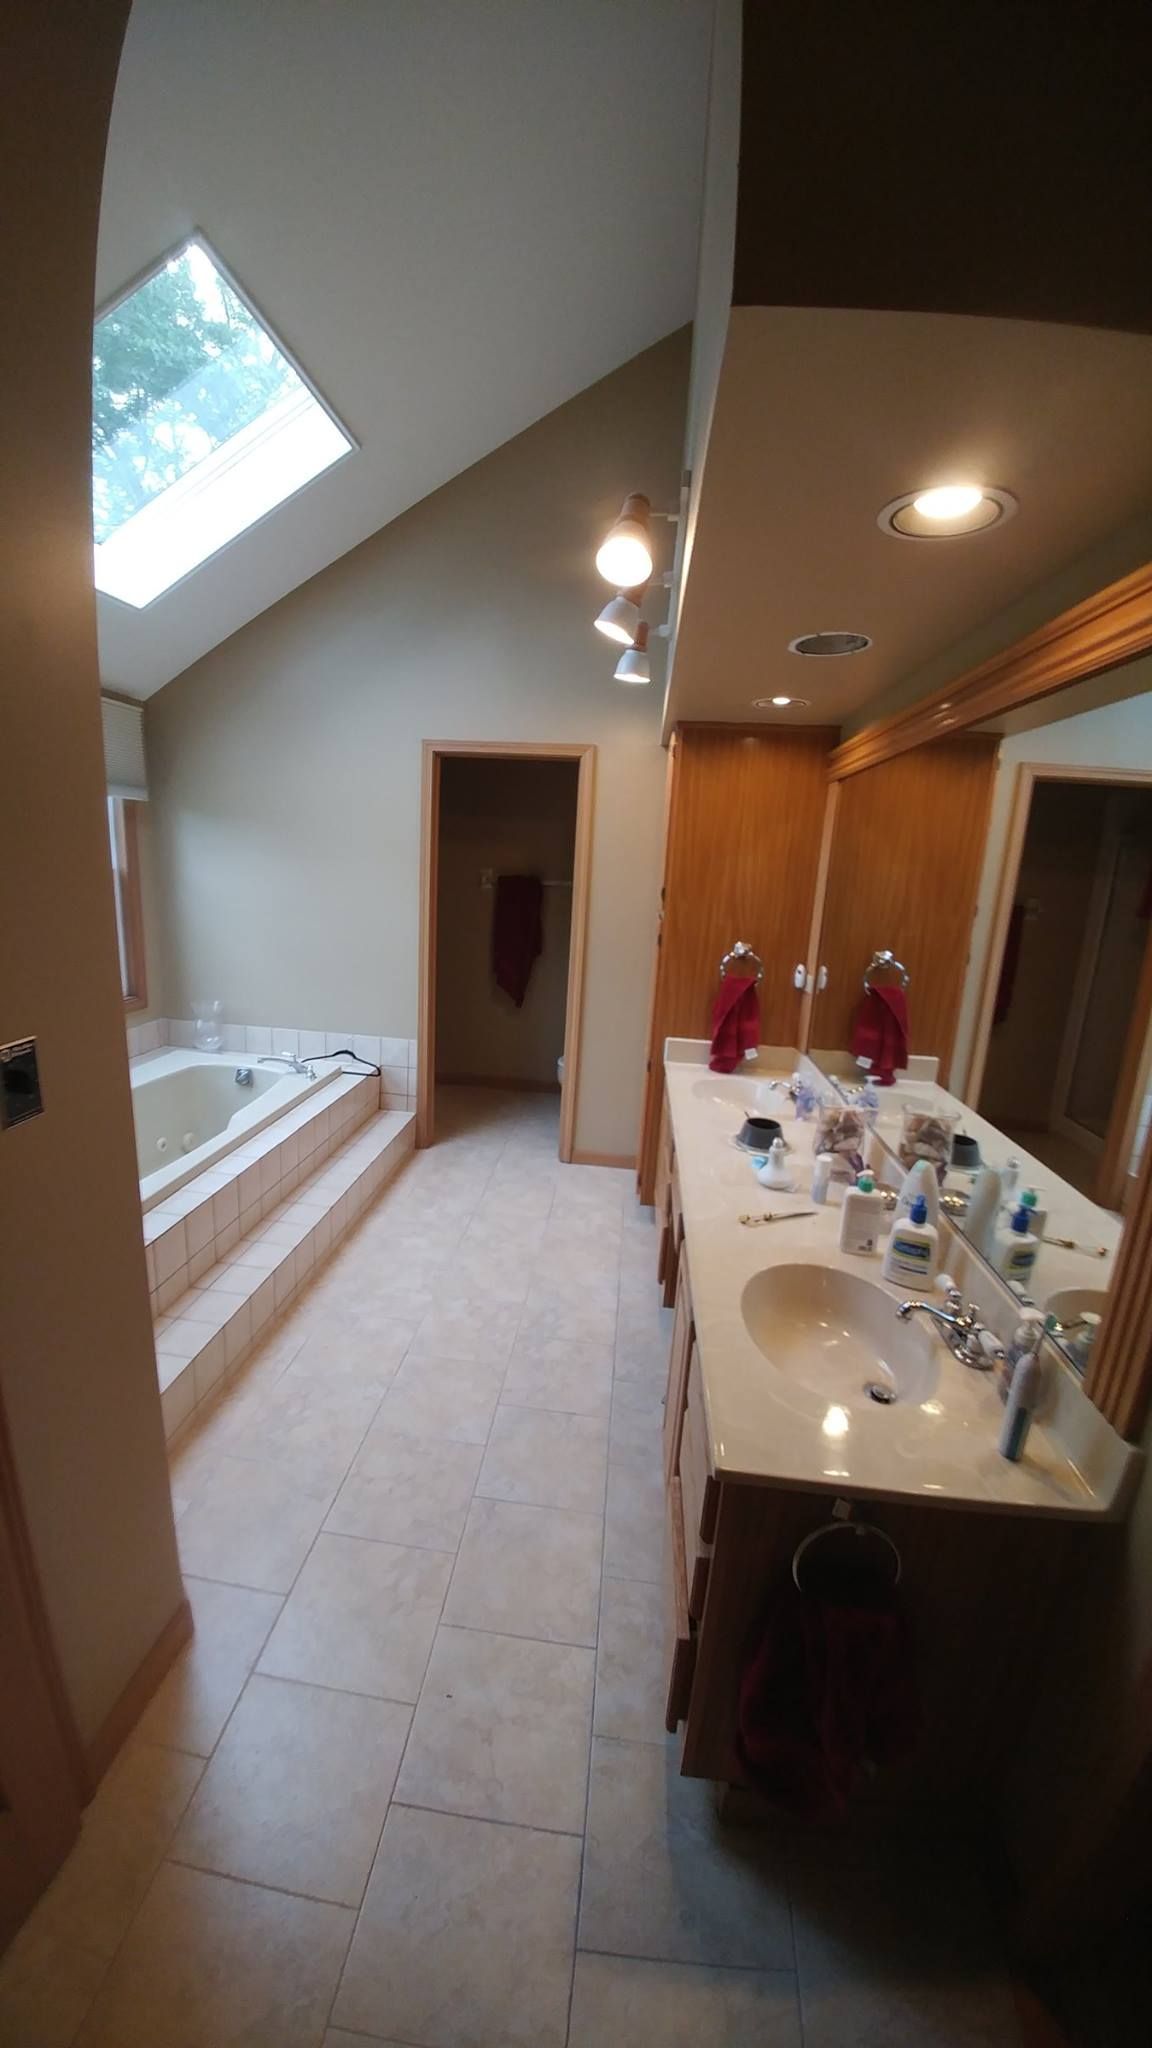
745	813
905	868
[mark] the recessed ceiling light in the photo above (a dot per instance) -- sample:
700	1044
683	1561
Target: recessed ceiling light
829	644
945	511
779	703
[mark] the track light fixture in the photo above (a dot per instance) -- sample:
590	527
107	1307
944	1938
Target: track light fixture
620	617
624	556
632	666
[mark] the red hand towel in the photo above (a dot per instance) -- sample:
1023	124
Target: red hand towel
517	932
828	1689
735	1023
880	1033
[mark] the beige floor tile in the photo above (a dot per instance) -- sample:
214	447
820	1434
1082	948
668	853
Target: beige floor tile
312	1430
203	1686
502	1731
361	1617
297	1791
468	1328
636	1429
337	2038
487	1273
628	2004
902	1950
365	1348
47	1984
663	1879
634	1523
454	1398
465	1938
210	1963
407	1489
631	1673
574	1379
252	1524
548	1459
48	1976
527	1571
547	1319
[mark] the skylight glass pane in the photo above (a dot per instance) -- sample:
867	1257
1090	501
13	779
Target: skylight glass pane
200	425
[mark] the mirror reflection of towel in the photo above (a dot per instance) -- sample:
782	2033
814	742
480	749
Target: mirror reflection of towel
517	932
880	1033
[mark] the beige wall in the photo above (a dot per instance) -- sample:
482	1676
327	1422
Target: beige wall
513	818
285	766
77	1374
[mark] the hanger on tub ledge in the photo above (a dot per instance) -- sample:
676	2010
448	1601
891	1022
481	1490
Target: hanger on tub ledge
742	956
886	958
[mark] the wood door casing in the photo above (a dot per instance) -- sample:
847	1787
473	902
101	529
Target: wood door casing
905	869
745	817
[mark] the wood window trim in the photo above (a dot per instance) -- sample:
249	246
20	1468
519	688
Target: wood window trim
125	842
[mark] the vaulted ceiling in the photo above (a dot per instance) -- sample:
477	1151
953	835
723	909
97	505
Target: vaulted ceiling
455	215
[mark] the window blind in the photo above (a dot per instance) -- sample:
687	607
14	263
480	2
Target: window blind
124	749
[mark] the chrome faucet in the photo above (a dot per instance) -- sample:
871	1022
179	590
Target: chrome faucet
288	1059
966	1336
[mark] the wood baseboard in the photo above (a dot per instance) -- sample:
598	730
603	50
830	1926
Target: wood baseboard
509	1081
117	1726
603	1158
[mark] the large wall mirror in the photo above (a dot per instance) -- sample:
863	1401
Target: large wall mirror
1007	870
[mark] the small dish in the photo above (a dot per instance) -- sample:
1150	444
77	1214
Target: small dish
757	1134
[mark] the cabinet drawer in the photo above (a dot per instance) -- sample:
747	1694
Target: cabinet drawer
700	1493
681	1657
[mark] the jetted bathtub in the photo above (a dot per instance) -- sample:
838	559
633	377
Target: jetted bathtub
191	1108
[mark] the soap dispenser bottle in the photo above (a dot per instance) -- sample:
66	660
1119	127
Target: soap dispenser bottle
775	1172
861	1216
912	1255
1015	1249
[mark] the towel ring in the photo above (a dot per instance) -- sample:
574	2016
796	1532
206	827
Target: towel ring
740	955
842	1524
886	958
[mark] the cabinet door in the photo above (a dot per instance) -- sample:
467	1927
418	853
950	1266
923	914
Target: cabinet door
745	822
683	1334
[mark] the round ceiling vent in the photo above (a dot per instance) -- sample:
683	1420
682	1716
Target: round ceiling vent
826	644
946	512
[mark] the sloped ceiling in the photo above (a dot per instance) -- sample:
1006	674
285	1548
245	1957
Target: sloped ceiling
456	213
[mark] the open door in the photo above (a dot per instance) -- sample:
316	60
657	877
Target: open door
42	1775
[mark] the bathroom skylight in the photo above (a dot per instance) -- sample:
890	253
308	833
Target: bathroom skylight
200	426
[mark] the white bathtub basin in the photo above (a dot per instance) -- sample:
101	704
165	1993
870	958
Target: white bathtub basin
189	1109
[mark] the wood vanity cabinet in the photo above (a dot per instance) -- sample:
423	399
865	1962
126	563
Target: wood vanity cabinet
985	1595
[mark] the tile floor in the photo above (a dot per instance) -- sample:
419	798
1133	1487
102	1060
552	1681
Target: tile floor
410	1785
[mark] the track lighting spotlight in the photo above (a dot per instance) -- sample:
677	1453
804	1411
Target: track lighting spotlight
620	617
624	557
632	666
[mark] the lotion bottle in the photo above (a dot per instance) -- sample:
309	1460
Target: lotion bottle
919	1180
912	1256
861	1216
1015	1249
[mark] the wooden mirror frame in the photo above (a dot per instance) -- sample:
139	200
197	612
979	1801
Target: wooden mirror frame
1106	630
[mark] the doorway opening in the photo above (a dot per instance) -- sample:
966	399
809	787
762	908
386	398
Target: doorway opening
1069	1046
506	837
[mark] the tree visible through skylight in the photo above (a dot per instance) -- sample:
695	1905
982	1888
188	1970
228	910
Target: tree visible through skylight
200	425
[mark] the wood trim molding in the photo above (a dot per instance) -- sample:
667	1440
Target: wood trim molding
1119	1377
512	1084
1111	627
153	1667
623	1159
582	752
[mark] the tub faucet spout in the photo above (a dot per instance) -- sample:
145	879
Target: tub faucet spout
288	1059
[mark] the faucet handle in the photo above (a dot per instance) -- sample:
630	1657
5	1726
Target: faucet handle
946	1286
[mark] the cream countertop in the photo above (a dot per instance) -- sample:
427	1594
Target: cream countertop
764	1425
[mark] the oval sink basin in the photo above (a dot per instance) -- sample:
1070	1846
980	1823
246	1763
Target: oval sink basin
740	1091
837	1334
1069	1302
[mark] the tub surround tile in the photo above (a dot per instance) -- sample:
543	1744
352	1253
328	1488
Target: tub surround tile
465	1936
257	1039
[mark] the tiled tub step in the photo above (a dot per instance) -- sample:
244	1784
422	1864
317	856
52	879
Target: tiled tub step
211	1326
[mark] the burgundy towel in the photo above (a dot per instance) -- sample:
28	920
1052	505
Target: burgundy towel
828	1690
517	932
735	1023
880	1033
